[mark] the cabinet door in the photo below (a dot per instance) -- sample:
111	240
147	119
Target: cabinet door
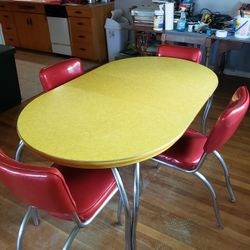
40	33
33	31
24	29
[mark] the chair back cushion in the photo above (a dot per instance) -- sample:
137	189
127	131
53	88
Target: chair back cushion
60	73
182	52
41	187
229	120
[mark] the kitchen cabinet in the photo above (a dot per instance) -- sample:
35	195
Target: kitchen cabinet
33	31
25	25
32	27
8	24
88	38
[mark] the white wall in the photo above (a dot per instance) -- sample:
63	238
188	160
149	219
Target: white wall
126	4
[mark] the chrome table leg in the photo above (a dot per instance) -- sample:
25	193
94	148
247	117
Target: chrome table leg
137	189
131	215
124	197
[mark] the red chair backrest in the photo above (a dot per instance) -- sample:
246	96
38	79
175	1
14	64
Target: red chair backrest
57	74
41	187
229	120
182	52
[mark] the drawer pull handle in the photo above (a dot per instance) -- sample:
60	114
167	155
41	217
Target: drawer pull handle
8	28
5	16
11	39
26	7
78	12
83	49
79	23
81	36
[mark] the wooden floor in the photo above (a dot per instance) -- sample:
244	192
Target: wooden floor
175	208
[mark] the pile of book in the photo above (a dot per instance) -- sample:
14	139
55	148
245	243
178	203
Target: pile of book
144	15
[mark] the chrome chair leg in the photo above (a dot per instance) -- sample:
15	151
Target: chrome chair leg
35	216
22	227
119	211
18	158
71	237
214	198
19	150
205	115
158	166
226	174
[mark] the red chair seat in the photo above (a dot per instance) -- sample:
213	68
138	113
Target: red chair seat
93	192
186	152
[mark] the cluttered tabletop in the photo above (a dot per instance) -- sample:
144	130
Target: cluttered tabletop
163	16
179	20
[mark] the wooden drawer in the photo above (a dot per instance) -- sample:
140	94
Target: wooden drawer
82	38
5	6
10	31
80	24
79	11
6	18
28	7
85	51
10	40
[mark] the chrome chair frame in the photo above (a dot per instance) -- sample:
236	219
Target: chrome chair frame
34	212
131	215
206	182
19	150
79	224
205	114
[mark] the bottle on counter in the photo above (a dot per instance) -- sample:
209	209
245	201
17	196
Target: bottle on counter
181	23
159	18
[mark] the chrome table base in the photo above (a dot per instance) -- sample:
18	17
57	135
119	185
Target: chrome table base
131	214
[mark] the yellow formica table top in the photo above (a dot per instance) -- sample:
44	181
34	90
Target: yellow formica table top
123	112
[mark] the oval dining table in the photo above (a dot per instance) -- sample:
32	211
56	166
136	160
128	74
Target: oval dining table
119	114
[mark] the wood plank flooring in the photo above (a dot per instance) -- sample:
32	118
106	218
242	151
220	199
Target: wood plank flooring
175	210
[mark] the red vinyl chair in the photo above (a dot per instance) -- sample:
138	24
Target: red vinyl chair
59	73
182	52
190	54
72	194
53	76
190	151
